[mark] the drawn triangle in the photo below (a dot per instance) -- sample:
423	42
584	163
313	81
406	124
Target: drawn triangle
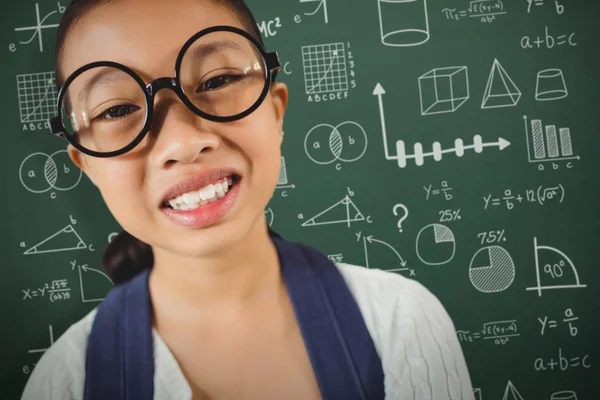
500	90
344	211
511	393
65	239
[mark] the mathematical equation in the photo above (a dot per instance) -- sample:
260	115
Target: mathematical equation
541	196
55	291
336	257
498	331
570	318
485	10
443	190
548	40
538	3
562	363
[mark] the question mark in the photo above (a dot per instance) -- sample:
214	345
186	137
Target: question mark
396	207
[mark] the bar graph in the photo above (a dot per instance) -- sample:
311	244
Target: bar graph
547	142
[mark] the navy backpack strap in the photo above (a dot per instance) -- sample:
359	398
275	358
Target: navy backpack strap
340	347
120	357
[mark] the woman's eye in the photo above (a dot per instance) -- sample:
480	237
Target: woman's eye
117	112
217	82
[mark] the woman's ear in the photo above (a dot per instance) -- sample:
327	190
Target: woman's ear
80	160
279	93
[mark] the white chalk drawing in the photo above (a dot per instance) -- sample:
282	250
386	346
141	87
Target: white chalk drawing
325	68
485	10
342	212
492	270
400	260
550	85
40	26
336	258
37	96
443	90
66	239
95	280
545	143
511	392
403	23
322	4
477	393
404	214
40	172
283	181
435	244
269	216
325	143
500	332
564	395
554	271
500	90
437	153
51	334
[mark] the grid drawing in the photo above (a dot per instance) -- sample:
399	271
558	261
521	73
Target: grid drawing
37	96
325	68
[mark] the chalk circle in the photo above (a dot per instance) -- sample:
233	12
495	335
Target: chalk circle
405	37
325	143
492	270
40	172
564	395
435	244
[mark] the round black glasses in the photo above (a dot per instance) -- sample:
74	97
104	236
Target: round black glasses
222	74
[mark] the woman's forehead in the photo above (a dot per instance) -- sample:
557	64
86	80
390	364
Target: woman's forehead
145	35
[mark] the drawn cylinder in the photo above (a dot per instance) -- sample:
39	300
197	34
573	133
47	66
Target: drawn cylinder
550	85
403	22
564	395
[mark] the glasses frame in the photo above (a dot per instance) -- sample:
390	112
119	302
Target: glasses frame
270	60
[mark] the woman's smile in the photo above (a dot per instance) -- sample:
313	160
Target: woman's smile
205	206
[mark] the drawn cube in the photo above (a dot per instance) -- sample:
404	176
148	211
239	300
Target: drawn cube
443	90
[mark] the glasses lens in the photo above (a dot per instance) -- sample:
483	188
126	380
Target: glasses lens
223	74
104	109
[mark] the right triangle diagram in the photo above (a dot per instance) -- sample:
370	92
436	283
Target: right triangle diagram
500	90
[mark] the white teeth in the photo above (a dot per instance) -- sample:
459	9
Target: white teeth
191	198
202	197
207	193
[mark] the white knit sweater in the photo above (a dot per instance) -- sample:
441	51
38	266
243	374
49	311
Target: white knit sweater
413	335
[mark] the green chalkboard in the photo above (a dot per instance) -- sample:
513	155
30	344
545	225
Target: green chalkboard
452	142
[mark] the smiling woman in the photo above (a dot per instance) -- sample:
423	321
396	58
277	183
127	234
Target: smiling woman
210	302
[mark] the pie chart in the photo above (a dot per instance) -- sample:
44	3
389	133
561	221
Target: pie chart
435	244
492	270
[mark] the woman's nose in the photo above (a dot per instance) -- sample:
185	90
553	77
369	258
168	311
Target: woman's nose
180	136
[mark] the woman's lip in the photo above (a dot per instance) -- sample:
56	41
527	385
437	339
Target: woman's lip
208	214
197	182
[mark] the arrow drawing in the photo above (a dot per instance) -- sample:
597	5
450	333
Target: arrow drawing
437	153
371	240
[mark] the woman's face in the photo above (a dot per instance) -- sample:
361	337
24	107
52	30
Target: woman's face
146	36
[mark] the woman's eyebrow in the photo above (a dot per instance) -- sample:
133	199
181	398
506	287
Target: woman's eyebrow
103	77
207	49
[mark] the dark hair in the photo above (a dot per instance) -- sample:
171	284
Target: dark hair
78	8
126	256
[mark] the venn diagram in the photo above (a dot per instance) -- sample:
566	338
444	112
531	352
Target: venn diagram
325	143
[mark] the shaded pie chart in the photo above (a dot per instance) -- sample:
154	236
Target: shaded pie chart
436	244
492	270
